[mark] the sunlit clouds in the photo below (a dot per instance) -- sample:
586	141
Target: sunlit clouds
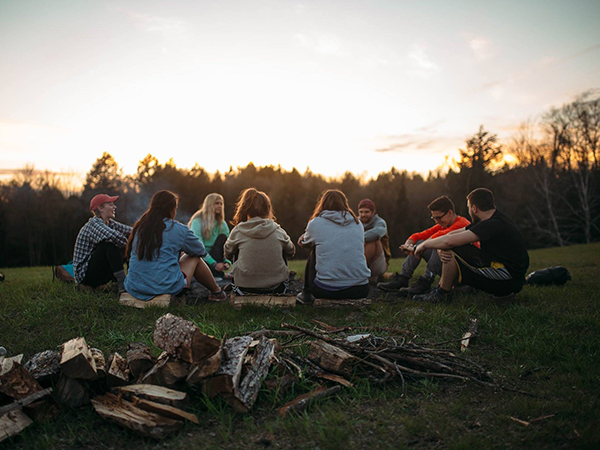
330	85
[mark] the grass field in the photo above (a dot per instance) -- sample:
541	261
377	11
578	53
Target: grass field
548	343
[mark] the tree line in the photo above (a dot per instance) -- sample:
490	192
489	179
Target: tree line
552	191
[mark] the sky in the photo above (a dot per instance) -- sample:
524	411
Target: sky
332	85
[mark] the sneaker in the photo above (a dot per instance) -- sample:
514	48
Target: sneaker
220	296
434	295
504	299
305	298
421	286
397	282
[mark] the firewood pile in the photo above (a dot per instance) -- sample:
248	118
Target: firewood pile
137	390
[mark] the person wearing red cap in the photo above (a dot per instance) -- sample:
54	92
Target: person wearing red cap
377	242
100	244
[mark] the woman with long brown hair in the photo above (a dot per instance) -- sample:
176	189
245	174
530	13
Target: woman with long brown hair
208	224
258	245
154	248
337	267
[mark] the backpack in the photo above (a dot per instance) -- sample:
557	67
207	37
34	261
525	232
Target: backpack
556	275
63	273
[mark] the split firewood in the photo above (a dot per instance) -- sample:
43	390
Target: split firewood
164	410
76	360
199	372
466	339
99	361
139	358
12	423
126	414
16	381
182	339
227	378
21	403
250	384
167	371
158	394
44	366
17	358
302	401
335	378
118	371
342	303
331	358
72	392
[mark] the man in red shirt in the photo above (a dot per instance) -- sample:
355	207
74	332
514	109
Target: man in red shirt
442	213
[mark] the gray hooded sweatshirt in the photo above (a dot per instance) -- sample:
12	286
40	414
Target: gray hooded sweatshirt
259	245
339	244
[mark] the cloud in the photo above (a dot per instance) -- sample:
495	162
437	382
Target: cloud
481	47
169	27
410	142
422	64
322	43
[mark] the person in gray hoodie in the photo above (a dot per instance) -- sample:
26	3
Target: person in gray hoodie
258	246
337	267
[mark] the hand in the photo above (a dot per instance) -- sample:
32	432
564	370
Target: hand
446	256
407	249
225	266
419	249
219	267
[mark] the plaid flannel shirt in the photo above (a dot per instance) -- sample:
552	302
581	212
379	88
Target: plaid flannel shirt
90	235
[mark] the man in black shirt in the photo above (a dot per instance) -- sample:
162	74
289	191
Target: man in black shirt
498	267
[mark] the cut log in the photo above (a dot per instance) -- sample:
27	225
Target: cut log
466	339
139	359
99	361
209	367
72	392
335	378
268	301
182	339
250	384
17	358
16	381
341	303
331	358
155	393
302	401
76	360
167	371
227	378
164	410
118	371
160	301
126	414
44	366
19	404
12	423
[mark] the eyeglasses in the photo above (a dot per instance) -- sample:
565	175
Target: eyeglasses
438	218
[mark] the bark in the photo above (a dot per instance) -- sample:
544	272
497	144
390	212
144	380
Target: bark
331	358
227	378
44	366
139	359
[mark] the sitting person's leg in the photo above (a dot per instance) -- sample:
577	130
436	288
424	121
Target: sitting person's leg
424	282
106	264
193	266
375	259
218	253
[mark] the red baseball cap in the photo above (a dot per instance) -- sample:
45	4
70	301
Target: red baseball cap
102	198
367	203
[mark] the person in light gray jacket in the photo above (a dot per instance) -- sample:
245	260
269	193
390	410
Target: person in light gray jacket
258	246
337	267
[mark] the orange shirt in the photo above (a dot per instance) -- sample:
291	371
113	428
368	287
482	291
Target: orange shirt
437	231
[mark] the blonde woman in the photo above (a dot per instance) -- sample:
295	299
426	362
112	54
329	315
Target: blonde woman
208	224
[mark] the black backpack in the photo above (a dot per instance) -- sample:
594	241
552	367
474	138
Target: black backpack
557	275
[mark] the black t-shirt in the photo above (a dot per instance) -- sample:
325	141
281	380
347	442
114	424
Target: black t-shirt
502	242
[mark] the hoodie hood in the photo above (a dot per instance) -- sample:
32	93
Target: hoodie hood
342	218
257	227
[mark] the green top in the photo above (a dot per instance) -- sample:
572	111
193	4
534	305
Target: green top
218	229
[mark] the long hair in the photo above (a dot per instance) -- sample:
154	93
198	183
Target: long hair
333	200
207	214
252	203
149	228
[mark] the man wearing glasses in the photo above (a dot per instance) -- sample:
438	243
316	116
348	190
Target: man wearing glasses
498	267
446	220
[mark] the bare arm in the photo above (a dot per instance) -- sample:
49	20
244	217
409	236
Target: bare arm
448	241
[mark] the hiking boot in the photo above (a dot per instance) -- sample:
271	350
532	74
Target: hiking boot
220	296
504	299
396	283
305	298
434	295
421	286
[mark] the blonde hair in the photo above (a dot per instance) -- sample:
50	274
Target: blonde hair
206	213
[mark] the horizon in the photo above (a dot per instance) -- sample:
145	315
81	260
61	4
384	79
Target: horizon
333	86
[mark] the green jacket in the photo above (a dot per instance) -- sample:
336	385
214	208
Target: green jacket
218	229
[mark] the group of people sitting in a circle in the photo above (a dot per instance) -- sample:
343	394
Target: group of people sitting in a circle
347	250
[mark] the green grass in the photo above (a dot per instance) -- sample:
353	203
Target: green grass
548	343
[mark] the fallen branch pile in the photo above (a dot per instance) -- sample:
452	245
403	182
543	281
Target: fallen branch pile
136	391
